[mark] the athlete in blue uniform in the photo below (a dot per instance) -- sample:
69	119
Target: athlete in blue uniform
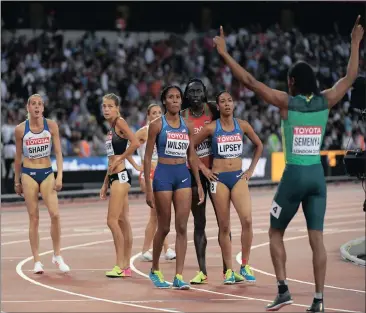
34	139
232	183
172	181
119	181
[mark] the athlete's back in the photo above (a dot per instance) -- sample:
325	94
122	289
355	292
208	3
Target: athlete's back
303	130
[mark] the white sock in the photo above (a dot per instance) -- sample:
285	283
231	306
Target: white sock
318	295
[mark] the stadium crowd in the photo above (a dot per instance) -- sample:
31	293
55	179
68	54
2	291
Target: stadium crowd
73	76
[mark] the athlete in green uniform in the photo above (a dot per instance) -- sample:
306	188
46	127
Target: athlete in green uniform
304	115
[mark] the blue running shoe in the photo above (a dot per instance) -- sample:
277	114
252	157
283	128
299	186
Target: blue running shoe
229	277
179	283
158	279
247	273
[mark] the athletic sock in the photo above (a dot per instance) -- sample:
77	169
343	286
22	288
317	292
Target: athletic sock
318	297
282	286
243	262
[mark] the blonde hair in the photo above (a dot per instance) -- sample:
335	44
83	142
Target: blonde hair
115	98
29	99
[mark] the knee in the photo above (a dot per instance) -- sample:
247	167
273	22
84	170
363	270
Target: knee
200	225
246	222
275	234
181	228
34	219
224	229
164	230
55	217
112	222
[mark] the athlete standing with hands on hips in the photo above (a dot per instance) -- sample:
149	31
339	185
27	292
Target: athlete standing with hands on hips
230	183
304	115
34	139
172	181
119	181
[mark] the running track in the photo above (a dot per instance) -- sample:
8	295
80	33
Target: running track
88	249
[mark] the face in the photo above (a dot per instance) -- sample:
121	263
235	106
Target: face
195	94
226	104
154	113
35	107
173	101
110	109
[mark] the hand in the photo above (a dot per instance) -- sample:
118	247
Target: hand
150	199
113	165
18	189
247	174
209	174
139	168
201	194
357	31
219	42
58	184
103	192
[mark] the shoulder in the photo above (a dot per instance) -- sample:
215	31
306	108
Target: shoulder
19	129
155	125
142	132
244	125
51	124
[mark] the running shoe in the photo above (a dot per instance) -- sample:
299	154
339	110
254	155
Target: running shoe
200	278
238	277
146	256
59	261
179	283
280	301
126	272
247	273
316	306
115	272
229	277
38	268
170	254
158	279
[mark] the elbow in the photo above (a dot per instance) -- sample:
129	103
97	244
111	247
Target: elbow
135	145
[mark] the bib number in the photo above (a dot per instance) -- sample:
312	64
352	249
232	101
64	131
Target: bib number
213	186
275	210
123	177
204	149
306	140
230	146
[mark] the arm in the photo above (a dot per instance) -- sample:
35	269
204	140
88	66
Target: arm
19	130
128	134
205	132
337	92
193	160
249	131
154	129
58	153
272	96
133	163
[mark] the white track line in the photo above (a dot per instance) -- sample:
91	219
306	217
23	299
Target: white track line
32	281
228	294
238	259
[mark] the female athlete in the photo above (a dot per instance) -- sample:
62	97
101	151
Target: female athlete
119	181
304	115
153	112
172	181
232	183
34	139
201	112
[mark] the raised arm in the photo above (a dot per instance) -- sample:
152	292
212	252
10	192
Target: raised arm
249	131
272	96
337	92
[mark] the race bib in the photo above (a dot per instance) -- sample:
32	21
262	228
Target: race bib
230	146
123	177
213	186
204	148
38	147
108	144
176	144
306	140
